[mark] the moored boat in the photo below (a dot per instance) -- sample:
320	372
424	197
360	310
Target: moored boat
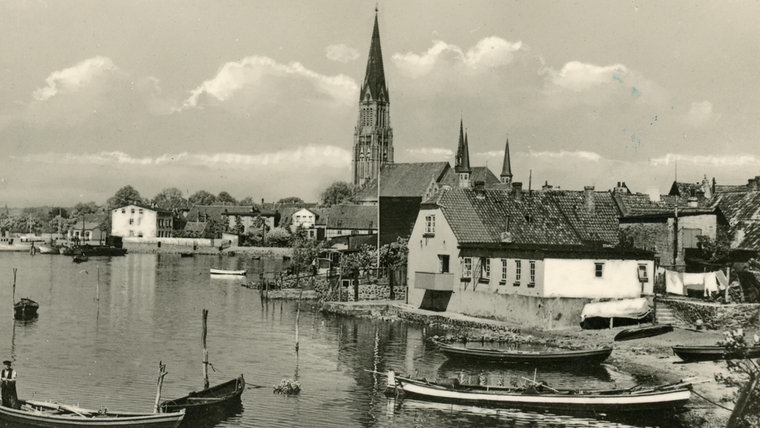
79	258
48	249
644	331
227	272
541	397
200	403
49	414
557	356
25	309
714	352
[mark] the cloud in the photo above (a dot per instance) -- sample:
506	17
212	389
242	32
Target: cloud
430	151
577	76
341	53
564	154
488	53
263	78
711	161
73	78
700	113
311	156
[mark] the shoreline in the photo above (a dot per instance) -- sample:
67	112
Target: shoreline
650	359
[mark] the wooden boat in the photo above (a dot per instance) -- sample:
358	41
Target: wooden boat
187	254
200	403
227	272
645	331
100	250
25	309
210	401
713	352
47	414
48	249
544	398
559	356
79	258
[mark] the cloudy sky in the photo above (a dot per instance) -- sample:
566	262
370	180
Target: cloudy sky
259	98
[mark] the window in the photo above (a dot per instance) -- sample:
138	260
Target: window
133	210
131	221
123	211
443	263
140	211
532	282
518	271
467	267
503	271
485	268
598	270
643	273
430	224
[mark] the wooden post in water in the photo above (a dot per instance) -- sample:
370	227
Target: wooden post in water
205	350
13	299
97	285
160	384
298	316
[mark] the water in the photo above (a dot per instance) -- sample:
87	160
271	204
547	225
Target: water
105	352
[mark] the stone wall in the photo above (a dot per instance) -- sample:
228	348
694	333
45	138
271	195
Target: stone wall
373	292
715	316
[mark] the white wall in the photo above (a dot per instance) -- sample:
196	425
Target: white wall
424	251
133	221
576	278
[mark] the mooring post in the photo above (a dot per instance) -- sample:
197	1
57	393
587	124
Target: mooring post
13	299
205	350
161	373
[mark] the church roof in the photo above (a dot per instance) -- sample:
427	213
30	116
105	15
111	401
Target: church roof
462	160
404	180
374	78
506	167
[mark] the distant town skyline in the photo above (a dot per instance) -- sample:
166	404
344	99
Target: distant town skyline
261	98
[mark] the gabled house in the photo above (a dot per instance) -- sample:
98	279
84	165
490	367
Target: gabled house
515	256
139	221
86	231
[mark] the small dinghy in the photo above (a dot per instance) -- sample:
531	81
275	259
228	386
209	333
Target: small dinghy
645	331
556	356
714	352
48	414
227	272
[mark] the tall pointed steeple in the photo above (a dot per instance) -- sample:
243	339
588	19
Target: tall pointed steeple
462	161
373	135
506	168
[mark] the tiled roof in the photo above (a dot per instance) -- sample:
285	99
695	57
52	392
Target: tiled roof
404	179
201	212
479	173
742	209
597	224
640	205
347	217
748	235
482	216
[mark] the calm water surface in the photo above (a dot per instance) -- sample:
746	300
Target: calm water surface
105	352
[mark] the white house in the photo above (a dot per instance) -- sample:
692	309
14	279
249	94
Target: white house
514	256
141	222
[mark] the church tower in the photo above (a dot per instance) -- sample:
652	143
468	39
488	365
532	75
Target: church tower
462	161
373	135
506	168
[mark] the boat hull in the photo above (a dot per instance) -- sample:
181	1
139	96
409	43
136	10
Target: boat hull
34	416
641	332
227	272
46	249
207	402
711	353
609	402
25	310
585	357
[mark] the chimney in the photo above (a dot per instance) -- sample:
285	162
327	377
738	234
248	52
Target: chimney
588	198
752	184
546	186
693	202
480	189
517	190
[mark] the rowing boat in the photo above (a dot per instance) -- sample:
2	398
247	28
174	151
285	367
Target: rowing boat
49	414
714	352
25	309
200	403
641	332
542	397
227	272
558	356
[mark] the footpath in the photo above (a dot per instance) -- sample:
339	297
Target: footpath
650	360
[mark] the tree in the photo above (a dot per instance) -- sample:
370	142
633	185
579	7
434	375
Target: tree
338	192
125	196
278	237
202	197
239	227
716	250
225	198
170	199
290	200
84	208
305	251
248	200
745	374
214	228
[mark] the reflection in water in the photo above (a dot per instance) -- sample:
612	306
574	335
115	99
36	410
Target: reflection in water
103	354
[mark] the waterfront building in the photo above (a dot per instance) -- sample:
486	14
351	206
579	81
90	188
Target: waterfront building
139	221
513	255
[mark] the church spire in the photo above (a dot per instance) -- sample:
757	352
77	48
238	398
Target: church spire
506	169
373	135
462	161
374	78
